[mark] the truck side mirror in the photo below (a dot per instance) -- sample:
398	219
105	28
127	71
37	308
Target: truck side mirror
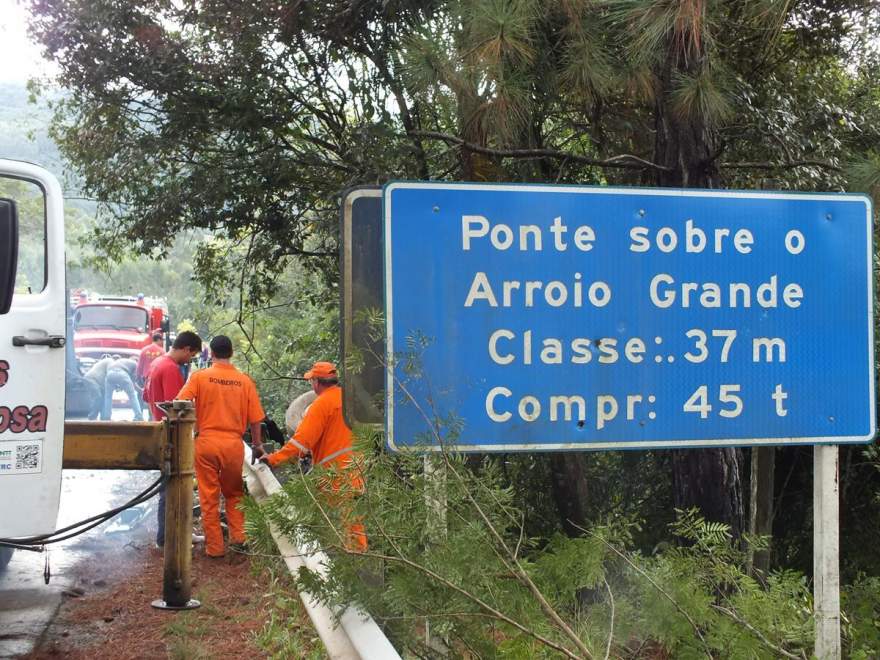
8	252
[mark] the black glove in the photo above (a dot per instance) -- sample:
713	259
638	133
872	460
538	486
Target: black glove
257	454
273	432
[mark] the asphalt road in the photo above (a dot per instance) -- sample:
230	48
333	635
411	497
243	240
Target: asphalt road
27	603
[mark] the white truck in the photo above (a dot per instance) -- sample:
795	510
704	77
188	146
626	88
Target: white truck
32	356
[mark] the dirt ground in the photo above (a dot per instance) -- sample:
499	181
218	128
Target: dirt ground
245	612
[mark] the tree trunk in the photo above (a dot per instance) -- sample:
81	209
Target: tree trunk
709	479
686	147
570	490
761	505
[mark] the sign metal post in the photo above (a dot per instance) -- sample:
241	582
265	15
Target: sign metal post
826	548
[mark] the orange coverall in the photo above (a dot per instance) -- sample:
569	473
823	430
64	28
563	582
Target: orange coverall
324	434
226	403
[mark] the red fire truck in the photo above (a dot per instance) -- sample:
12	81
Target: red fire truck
115	326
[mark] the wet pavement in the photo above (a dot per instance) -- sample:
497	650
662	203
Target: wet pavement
27	603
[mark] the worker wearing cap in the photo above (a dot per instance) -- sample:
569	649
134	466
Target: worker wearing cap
227	403
324	435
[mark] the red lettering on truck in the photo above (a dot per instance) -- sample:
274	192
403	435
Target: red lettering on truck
4	372
21	418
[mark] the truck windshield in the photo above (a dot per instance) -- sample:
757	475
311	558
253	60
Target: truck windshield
110	316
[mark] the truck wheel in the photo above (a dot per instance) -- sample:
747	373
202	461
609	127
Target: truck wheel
5	556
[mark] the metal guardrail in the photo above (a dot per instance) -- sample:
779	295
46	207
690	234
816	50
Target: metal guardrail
356	635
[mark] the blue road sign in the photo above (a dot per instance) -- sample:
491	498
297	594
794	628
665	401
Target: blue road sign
528	318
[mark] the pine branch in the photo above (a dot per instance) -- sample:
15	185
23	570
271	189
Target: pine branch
451	585
524	577
323	512
610	625
653	582
435	576
513	564
784	165
757	633
622	161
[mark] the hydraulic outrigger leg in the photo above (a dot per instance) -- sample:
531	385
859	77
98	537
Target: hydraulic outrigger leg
179	453
168	446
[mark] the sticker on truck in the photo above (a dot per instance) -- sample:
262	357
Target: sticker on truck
21	456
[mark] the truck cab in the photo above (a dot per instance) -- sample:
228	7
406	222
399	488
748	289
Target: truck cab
115	326
32	342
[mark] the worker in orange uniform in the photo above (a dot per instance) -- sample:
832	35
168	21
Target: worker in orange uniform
325	437
226	404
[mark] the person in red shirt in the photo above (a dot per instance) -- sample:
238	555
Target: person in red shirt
165	378
227	404
164	381
148	354
324	435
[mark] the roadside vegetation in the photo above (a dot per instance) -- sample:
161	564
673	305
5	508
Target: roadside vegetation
216	139
464	578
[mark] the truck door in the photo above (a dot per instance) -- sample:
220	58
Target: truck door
32	354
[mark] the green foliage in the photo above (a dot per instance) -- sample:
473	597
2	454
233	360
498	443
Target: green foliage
864	174
247	120
287	632
24	126
705	578
466	562
238	124
861	623
245	127
31	204
470	574
186	325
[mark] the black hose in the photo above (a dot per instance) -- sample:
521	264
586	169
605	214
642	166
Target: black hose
144	494
99	521
45	539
